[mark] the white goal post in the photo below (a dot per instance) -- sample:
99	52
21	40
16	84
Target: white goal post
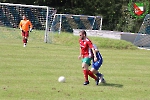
40	16
68	22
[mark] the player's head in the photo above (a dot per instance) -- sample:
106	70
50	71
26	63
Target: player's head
24	17
82	34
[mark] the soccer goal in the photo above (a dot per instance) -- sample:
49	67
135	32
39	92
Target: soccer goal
40	16
143	37
68	22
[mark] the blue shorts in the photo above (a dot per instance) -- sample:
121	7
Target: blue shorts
96	65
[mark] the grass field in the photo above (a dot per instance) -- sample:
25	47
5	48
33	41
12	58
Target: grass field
31	73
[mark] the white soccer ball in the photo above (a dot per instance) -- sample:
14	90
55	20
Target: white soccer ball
61	79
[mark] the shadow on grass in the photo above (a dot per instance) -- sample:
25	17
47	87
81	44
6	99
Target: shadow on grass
112	85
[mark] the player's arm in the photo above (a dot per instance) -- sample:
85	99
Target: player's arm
80	55
94	53
93	50
20	25
31	26
96	50
95	47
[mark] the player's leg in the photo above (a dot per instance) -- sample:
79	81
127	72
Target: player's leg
23	38
97	73
88	62
26	38
95	67
92	75
85	72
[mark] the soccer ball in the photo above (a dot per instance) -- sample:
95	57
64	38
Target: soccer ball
61	79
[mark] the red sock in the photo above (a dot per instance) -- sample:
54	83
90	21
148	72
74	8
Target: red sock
92	75
24	41
85	72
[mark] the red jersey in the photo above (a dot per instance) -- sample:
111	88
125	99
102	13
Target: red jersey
86	45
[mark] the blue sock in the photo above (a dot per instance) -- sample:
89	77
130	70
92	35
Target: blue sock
99	74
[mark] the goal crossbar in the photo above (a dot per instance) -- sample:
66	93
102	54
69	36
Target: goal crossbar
23	5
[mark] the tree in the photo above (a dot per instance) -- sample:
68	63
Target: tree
114	12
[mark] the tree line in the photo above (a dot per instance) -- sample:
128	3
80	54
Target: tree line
115	13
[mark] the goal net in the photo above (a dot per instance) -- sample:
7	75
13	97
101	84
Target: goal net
143	37
68	22
40	16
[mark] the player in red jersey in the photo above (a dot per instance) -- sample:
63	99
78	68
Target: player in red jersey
85	53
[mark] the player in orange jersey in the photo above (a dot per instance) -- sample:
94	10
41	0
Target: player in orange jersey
25	26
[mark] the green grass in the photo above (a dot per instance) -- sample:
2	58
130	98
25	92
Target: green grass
31	73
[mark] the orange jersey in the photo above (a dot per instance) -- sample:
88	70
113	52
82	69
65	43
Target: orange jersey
25	25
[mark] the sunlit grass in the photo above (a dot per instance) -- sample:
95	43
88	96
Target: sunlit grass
31	73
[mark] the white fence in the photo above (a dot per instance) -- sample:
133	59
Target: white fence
102	33
130	37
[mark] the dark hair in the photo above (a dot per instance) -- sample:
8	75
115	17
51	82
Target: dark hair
83	32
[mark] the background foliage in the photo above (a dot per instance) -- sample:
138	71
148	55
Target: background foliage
115	12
